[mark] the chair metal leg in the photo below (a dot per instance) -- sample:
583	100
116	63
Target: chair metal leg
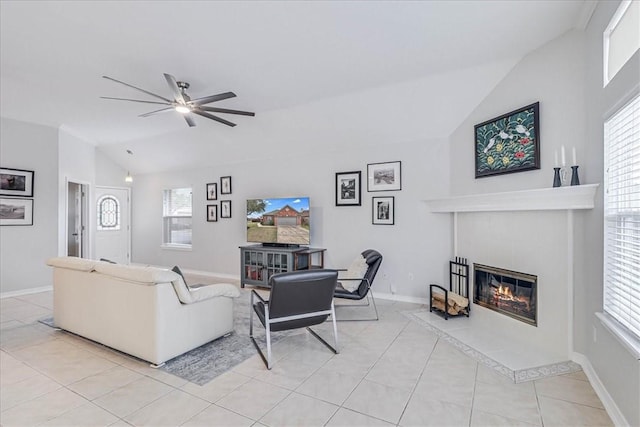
319	338
369	293
268	332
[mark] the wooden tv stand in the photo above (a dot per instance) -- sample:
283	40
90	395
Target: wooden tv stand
259	262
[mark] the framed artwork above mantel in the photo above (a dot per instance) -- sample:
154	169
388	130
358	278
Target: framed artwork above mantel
508	143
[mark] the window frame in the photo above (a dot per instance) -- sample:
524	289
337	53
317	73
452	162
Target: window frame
606	39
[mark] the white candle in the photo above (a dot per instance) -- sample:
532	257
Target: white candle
555	158
573	151
564	161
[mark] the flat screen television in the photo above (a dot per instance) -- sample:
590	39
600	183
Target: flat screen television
278	221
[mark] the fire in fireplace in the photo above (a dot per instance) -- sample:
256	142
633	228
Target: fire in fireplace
508	292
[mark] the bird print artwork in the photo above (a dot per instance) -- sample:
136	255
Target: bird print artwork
509	143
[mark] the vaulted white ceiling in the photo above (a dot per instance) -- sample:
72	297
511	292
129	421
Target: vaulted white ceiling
331	68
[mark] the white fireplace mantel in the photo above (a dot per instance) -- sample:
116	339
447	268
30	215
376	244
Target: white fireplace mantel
559	198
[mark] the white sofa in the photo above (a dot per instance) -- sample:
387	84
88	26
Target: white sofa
146	312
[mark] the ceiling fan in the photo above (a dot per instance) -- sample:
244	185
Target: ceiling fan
183	103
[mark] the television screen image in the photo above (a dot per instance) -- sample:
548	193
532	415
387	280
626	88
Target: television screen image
278	221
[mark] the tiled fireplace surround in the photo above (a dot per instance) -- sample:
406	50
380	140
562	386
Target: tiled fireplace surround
528	231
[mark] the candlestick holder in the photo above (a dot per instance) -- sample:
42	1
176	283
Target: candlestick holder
575	180
556	177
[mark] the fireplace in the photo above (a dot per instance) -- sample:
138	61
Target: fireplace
508	292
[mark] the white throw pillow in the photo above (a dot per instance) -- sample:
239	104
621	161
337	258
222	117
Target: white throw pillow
356	270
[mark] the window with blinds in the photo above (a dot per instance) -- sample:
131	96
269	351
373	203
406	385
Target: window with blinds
622	216
176	217
621	38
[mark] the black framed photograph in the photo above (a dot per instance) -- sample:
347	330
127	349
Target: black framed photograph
212	213
348	188
212	191
16	182
384	176
383	210
225	185
509	143
16	211
225	209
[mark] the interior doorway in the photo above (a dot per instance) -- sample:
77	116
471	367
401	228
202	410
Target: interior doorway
77	215
113	231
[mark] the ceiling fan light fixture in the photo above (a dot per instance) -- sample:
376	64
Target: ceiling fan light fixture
182	109
128	178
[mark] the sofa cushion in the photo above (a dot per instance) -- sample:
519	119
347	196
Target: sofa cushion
72	263
189	295
136	273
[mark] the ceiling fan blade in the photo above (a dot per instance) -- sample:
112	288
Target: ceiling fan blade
227	111
212	98
173	85
212	117
137	88
189	119
135	100
162	110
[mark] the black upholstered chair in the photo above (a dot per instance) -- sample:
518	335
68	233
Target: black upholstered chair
299	299
373	259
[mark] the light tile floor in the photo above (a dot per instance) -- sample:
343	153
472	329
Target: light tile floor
390	372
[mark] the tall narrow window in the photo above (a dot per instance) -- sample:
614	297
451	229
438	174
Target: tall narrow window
177	217
108	213
621	39
622	216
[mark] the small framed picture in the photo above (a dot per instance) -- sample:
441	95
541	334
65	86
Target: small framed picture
225	209
16	182
225	185
384	176
212	191
15	211
212	213
383	210
348	188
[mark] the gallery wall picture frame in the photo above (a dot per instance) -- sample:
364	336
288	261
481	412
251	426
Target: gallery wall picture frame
16	182
212	191
386	176
225	185
16	211
225	209
348	188
508	143
383	210
212	213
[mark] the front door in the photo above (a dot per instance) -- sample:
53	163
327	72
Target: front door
113	233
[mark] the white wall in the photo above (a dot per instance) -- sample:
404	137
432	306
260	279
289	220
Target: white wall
617	369
25	249
552	75
418	243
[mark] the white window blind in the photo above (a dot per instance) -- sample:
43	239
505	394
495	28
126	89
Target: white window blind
622	216
177	216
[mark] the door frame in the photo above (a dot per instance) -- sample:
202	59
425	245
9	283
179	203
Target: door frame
128	190
87	238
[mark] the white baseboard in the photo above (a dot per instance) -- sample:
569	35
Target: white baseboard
12	294
402	298
607	401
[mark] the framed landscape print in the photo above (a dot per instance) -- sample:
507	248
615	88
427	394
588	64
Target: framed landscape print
212	213
16	182
212	191
384	176
225	209
509	143
348	188
16	211
383	210
225	185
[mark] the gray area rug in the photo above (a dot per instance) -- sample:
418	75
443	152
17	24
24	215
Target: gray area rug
206	362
